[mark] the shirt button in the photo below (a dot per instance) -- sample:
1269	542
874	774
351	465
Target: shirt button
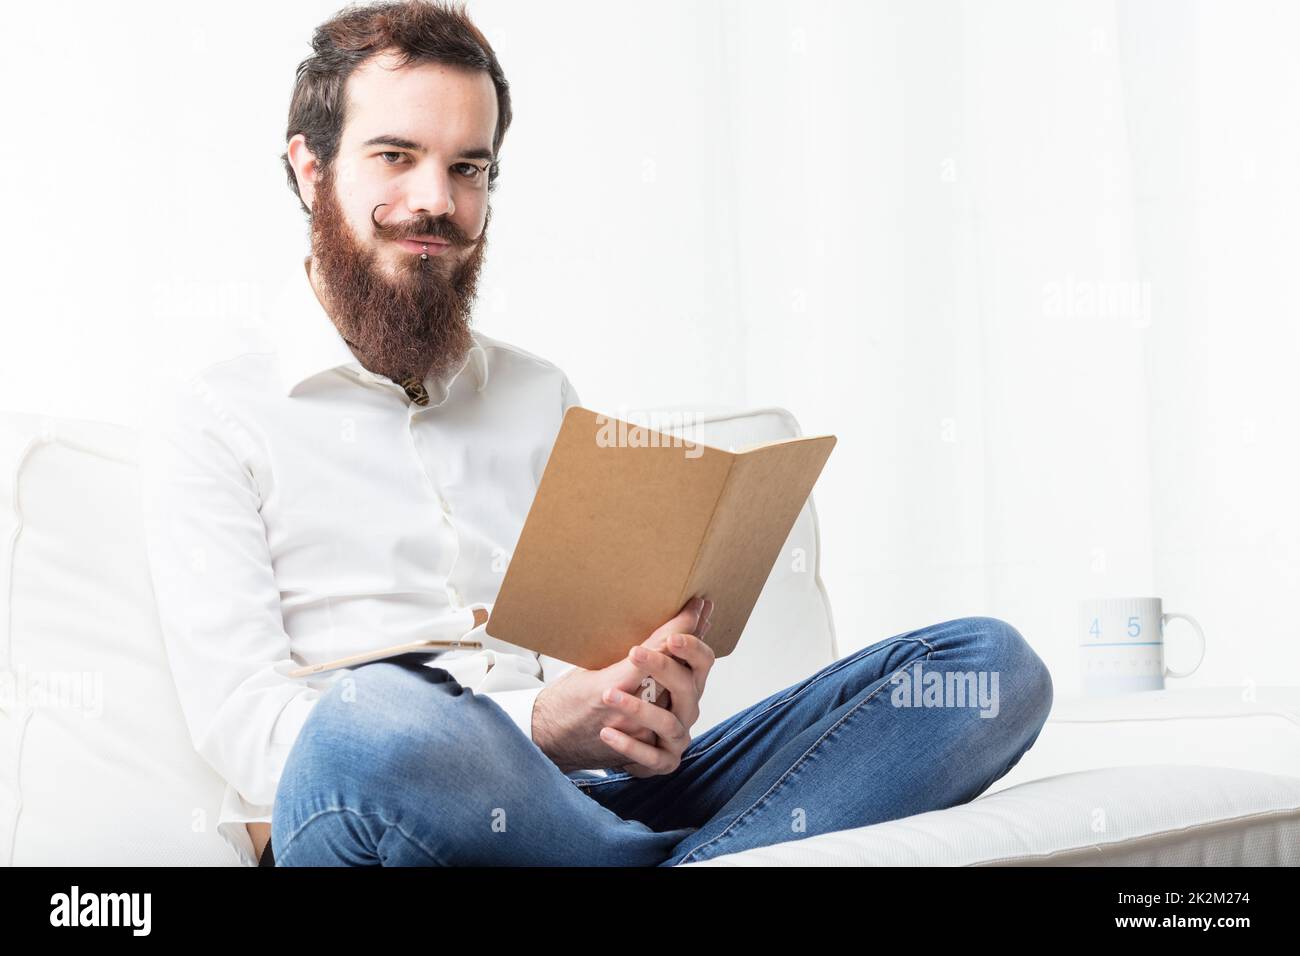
454	595
445	504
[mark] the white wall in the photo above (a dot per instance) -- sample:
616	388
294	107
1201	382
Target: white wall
1029	261
1217	149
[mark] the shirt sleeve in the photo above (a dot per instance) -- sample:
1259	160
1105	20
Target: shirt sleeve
568	396
215	589
519	705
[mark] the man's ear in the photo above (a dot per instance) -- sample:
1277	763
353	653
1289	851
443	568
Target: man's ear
305	167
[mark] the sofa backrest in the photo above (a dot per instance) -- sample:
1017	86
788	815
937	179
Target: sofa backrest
96	763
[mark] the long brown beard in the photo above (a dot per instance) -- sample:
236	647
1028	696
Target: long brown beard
417	323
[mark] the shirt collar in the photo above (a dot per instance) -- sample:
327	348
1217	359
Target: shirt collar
307	343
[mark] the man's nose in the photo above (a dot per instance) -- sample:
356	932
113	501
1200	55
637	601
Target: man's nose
430	194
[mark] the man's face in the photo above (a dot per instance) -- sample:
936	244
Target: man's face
411	167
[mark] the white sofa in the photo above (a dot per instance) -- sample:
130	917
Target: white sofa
97	767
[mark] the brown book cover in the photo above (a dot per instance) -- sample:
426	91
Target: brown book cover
628	524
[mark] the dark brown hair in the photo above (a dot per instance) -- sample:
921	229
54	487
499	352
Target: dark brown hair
418	31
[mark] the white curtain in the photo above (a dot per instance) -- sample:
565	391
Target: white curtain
1030	261
1037	279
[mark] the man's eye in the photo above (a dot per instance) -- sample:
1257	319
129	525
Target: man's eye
468	170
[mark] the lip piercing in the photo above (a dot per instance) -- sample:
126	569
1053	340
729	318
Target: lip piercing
425	254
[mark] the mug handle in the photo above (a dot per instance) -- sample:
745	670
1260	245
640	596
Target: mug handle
1165	619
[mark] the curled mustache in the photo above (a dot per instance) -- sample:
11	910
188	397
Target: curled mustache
420	226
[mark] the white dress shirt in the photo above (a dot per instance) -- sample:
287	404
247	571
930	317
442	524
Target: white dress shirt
300	508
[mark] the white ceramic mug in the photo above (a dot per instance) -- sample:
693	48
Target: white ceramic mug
1122	645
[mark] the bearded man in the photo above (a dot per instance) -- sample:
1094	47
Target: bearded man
358	484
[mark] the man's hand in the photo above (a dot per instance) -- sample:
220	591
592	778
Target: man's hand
579	722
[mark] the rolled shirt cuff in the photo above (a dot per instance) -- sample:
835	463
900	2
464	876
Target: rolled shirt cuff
518	704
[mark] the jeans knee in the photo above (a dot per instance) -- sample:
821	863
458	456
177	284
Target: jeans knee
374	717
1004	651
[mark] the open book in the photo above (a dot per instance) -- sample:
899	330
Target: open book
628	524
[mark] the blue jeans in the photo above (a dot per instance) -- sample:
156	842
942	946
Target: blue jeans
401	766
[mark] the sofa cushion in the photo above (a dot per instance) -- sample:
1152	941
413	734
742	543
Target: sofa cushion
1163	815
96	766
1248	728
